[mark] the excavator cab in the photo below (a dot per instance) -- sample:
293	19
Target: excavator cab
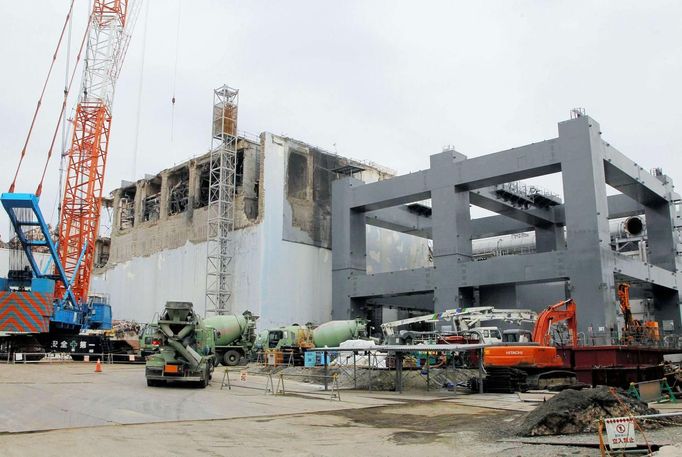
517	335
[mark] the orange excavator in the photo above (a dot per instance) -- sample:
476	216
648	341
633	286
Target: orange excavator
529	359
635	331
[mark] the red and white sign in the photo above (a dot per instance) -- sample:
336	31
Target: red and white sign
620	432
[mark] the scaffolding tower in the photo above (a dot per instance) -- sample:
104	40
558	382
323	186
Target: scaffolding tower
221	195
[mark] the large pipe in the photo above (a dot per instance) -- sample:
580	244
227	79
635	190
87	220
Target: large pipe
523	243
633	225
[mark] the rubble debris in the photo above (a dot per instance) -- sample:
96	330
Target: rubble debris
33	234
573	411
127	331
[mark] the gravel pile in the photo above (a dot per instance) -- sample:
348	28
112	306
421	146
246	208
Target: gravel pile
577	411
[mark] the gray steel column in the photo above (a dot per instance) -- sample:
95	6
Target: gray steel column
549	239
667	307
590	264
660	235
662	240
349	250
451	234
662	252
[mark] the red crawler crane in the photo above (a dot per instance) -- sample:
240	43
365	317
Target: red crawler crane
108	38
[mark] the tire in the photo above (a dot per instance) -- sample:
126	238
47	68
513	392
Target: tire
152	383
231	358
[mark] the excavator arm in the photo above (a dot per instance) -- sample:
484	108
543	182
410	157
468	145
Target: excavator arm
624	300
560	312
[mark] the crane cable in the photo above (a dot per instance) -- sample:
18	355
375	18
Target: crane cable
58	203
61	112
139	90
175	71
42	93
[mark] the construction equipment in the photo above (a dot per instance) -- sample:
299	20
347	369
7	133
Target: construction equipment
42	309
150	339
635	331
292	339
295	339
517	365
235	336
454	322
186	350
333	333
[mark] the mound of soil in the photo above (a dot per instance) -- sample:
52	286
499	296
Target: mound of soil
577	411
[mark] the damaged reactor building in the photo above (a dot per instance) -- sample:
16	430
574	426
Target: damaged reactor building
281	267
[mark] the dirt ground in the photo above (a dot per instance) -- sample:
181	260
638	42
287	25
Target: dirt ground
78	413
406	430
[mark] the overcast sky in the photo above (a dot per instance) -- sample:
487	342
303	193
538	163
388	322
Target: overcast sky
386	81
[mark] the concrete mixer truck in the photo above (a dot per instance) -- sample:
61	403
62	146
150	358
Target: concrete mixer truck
186	348
333	333
235	336
296	338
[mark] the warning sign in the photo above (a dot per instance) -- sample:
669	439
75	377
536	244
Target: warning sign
242	375
620	432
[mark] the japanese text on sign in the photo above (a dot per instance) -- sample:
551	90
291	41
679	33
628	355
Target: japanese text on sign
620	432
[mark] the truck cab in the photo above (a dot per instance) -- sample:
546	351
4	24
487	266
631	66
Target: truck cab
490	335
150	339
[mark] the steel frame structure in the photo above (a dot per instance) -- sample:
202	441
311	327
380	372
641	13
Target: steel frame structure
572	239
221	195
109	33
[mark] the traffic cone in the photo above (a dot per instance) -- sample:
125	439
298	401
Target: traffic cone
98	367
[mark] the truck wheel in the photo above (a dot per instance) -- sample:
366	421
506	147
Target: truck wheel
151	383
231	358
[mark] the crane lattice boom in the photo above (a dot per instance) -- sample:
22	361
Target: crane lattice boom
109	33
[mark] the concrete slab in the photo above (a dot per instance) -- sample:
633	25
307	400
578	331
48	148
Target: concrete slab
667	407
115	414
52	396
535	397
